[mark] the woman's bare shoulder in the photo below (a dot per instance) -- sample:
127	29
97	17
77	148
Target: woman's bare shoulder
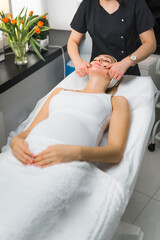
56	91
119	101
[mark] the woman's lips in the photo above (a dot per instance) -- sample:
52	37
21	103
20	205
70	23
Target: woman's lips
97	64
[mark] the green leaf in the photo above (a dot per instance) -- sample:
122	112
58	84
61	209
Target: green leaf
20	13
44	29
35	49
25	18
2	14
9	41
5	30
39	45
34	20
30	34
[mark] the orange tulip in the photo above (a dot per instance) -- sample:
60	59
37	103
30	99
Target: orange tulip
30	13
44	17
5	20
40	24
14	21
10	15
37	30
22	22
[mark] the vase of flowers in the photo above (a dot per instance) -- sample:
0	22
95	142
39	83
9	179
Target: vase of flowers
19	33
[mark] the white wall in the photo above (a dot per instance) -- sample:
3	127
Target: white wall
36	6
4	6
61	13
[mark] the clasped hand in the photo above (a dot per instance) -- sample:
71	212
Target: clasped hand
52	155
55	154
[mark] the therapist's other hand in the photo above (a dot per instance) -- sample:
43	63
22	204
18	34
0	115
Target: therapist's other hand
56	154
82	68
118	69
20	150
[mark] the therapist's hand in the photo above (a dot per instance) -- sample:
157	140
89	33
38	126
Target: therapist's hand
82	68
56	154
20	150
118	69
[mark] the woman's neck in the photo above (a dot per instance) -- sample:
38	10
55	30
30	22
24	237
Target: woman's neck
96	85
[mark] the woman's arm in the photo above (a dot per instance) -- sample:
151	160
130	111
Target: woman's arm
148	47
81	66
18	145
112	153
117	136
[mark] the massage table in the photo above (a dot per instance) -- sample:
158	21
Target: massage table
140	92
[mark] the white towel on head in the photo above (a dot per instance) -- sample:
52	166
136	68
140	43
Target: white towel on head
112	83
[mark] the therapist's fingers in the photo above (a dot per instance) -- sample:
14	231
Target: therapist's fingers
109	66
111	73
80	73
82	68
119	76
115	76
87	68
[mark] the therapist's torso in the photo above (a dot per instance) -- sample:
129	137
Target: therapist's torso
114	34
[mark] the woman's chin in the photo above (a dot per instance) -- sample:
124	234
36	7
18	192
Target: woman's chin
95	70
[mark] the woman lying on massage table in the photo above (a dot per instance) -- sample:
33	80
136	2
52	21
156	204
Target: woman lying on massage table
78	119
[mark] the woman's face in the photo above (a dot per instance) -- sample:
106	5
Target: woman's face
100	63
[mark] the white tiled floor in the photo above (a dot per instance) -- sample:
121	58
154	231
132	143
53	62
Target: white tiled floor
144	207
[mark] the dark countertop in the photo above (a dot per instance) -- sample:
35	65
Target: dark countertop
11	74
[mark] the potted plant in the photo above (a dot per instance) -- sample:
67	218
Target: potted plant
43	37
19	33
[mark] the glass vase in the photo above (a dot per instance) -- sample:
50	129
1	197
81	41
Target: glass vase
19	49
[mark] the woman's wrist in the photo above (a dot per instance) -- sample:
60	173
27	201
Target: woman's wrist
13	141
77	62
128	62
76	152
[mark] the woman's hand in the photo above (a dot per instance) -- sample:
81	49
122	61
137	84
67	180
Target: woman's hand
20	150
118	69
56	154
82	68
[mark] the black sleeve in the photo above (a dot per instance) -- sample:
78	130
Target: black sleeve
79	20
143	16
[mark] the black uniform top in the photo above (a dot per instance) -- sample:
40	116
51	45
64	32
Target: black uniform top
114	34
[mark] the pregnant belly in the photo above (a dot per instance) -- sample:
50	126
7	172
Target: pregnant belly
67	129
